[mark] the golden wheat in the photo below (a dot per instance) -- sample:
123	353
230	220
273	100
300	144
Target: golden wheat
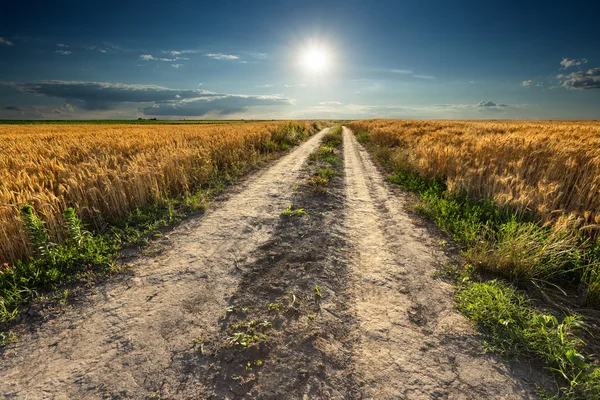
550	168
106	171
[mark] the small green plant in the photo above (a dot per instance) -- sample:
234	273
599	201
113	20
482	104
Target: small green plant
274	307
38	236
77	236
317	291
325	173
6	338
290	212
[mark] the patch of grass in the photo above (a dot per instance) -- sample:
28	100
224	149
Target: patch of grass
6	338
523	250
290	212
513	327
325	173
55	265
249	332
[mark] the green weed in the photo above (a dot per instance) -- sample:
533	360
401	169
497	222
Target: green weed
290	212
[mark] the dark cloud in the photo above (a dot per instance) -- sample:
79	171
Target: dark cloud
12	108
582	80
228	104
108	96
490	106
65	108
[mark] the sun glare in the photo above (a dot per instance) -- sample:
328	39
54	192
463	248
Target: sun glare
315	59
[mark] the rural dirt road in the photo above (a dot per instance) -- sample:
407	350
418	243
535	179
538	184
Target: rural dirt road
345	296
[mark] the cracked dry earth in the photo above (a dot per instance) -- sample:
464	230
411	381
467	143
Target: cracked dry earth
344	296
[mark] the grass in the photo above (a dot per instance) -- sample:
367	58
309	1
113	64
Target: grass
513	327
517	247
291	212
327	156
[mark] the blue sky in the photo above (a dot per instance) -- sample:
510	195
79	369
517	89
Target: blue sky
256	59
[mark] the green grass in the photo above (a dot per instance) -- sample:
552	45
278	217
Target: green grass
291	212
513	327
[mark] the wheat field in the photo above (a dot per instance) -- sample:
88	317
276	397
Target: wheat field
549	168
106	171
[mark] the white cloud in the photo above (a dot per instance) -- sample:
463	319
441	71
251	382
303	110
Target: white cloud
221	56
149	57
569	62
526	83
63	52
6	42
299	85
330	103
401	71
61	45
176	65
174	53
263	86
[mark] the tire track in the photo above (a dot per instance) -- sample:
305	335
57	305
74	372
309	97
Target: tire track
414	344
126	342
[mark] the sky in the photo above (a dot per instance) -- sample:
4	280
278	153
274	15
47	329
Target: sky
351	59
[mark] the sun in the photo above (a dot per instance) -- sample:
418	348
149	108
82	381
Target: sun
315	59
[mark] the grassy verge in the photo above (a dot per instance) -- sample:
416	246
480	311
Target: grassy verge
527	261
85	255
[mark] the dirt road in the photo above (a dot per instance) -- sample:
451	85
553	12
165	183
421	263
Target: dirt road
345	294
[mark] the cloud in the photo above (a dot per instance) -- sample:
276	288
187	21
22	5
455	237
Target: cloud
401	71
176	65
149	57
94	96
12	108
568	62
6	42
481	106
61	45
65	108
298	85
221	56
174	53
263	86
94	48
423	76
63	52
330	103
581	80
527	83
221	105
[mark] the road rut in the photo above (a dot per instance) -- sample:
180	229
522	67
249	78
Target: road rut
413	342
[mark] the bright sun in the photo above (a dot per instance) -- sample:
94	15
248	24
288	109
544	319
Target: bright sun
315	59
